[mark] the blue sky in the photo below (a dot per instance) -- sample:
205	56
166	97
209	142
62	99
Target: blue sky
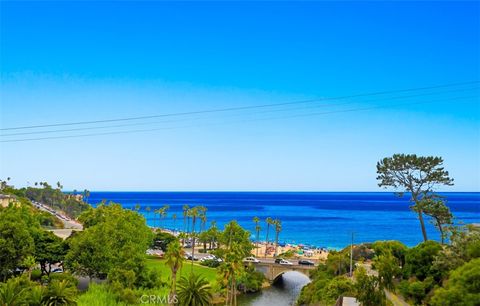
82	61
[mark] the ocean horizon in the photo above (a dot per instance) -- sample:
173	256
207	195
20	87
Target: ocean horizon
321	219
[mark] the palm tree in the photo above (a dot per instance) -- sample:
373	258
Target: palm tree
256	220
185	209
60	293
193	212
174	256
148	209
174	217
227	271
155	213
86	195
29	262
278	229
194	290
163	211
203	217
269	221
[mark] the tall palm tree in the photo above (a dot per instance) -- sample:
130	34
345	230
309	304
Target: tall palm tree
174	217
202	213
193	212
156	212
256	220
60	293
174	256
148	209
278	229
163	212
194	290
269	222
86	195
185	209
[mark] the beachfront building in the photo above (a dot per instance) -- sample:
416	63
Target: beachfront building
6	199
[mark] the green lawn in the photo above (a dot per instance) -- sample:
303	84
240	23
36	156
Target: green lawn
159	264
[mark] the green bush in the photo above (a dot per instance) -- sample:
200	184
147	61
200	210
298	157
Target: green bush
99	295
212	263
419	261
36	275
251	280
462	288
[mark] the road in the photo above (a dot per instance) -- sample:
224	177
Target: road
69	225
392	297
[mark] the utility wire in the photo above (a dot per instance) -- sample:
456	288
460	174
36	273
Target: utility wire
238	108
257	112
260	119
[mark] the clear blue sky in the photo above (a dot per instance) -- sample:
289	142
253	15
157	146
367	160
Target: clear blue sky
82	61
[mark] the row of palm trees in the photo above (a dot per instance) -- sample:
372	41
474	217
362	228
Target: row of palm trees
270	222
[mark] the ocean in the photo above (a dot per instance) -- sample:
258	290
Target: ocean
321	219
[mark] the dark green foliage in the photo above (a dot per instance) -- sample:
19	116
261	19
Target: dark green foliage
17	228
13	293
396	248
325	288
361	252
194	290
114	243
388	268
60	292
417	175
55	198
368	289
212	263
464	246
336	287
49	249
462	287
250	280
441	216
162	240
419	261
416	291
338	263
233	233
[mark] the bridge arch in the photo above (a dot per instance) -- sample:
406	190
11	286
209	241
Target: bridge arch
279	275
273	271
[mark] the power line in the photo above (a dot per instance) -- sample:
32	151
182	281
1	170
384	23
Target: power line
237	108
263	119
265	111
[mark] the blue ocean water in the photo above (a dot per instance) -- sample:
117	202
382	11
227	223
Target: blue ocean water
323	219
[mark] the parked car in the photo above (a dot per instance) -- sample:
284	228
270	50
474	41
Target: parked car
251	259
285	262
306	262
208	257
189	257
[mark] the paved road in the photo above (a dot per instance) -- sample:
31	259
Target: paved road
395	299
392	297
69	225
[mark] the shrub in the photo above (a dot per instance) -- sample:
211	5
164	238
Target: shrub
462	288
212	263
36	275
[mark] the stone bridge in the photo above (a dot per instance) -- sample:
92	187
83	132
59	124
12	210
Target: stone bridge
273	271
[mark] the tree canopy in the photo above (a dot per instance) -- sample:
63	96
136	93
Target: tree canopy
417	175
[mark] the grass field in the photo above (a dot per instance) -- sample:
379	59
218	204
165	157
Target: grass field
159	265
